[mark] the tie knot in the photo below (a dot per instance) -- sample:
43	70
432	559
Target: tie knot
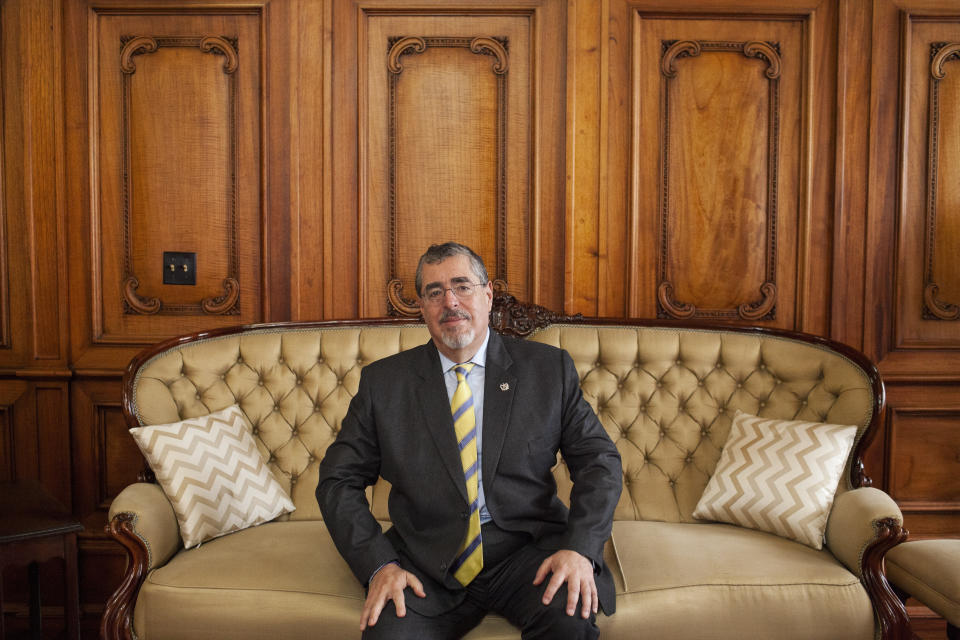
464	369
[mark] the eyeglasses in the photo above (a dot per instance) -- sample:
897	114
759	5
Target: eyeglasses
463	291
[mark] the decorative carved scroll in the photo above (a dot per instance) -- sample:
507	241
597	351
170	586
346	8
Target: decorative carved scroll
117	621
933	307
891	614
764	307
513	318
412	45
229	301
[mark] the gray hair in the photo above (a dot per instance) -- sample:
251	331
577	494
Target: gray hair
440	252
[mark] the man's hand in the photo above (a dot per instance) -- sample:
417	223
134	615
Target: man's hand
577	571
388	584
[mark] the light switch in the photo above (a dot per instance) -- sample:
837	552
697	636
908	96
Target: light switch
179	267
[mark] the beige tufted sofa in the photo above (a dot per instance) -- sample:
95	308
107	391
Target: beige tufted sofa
665	394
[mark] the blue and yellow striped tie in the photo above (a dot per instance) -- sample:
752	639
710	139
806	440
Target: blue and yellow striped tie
470	559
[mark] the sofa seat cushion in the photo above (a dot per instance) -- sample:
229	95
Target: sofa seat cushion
731	582
278	580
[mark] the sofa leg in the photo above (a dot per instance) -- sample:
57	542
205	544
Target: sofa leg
891	614
117	621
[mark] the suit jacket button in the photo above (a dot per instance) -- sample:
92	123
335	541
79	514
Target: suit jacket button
443	566
465	515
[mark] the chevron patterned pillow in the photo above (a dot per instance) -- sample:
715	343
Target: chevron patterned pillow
778	476
213	474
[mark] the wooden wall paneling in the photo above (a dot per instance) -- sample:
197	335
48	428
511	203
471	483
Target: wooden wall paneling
307	75
924	456
586	247
165	128
724	221
928	293
853	161
913	222
909	342
459	136
35	434
32	246
15	456
106	458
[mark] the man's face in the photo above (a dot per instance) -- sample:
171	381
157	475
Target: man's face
458	326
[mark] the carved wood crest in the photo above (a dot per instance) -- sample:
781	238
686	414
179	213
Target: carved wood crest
398	47
510	316
934	308
763	307
227	302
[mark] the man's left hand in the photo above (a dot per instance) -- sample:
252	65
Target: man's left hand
577	572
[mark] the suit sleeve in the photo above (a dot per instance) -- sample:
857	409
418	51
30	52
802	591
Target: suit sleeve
595	469
350	465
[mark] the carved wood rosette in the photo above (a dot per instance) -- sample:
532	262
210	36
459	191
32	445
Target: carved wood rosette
764	307
228	302
934	308
398	47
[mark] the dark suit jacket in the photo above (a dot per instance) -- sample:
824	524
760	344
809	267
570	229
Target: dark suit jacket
399	426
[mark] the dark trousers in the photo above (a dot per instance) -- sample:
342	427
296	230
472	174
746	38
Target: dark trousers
504	586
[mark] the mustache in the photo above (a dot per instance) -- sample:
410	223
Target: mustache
449	314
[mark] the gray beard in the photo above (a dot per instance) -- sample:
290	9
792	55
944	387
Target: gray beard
459	340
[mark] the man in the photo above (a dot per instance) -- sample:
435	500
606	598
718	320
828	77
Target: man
466	429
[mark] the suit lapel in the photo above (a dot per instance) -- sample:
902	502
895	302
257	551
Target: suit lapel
498	392
432	396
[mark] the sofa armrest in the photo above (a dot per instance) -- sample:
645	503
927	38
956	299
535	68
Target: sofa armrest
852	525
864	524
153	520
143	522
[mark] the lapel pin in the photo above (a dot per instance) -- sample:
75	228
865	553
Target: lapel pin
504	386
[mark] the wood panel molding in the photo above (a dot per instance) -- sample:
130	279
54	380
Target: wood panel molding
924	458
497	47
933	307
227	303
764	307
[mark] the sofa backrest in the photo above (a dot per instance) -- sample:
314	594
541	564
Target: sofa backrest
666	395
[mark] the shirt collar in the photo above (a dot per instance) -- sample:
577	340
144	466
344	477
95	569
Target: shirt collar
479	358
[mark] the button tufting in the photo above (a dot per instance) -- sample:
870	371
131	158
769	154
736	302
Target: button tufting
239	359
276	407
260	382
699	383
339	382
280	360
299	381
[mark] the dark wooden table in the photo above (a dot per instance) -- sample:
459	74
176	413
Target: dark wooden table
34	527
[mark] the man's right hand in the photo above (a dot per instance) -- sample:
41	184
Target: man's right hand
388	584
